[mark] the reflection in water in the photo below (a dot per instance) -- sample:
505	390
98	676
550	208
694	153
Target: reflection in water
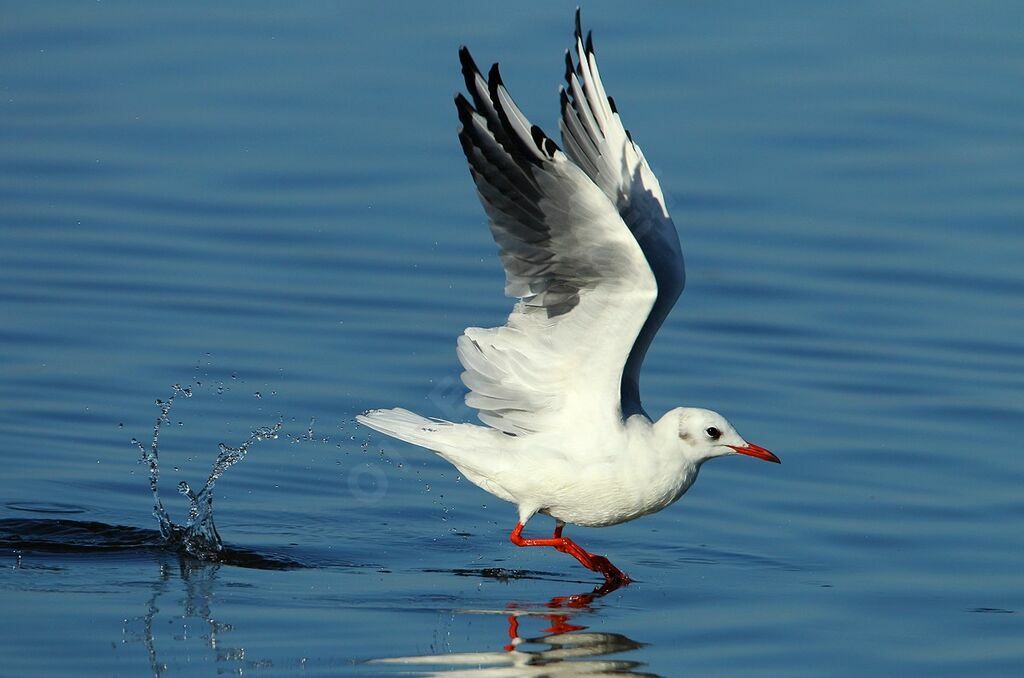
199	580
196	618
198	536
562	648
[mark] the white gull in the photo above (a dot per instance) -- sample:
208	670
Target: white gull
589	249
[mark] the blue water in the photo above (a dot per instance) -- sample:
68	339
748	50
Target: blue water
268	203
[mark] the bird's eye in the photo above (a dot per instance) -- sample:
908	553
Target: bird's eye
713	433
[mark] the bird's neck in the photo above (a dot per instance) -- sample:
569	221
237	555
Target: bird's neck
665	431
659	458
662	441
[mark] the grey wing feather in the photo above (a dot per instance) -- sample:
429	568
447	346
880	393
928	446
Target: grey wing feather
563	246
503	156
595	139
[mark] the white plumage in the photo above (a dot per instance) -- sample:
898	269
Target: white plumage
590	250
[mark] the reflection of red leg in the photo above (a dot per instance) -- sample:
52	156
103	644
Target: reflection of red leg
578	600
589	560
513	632
560	624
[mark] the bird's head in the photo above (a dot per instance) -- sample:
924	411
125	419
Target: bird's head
704	434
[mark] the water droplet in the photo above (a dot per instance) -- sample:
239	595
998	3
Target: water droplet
198	536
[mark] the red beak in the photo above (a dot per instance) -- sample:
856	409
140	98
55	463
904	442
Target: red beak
752	450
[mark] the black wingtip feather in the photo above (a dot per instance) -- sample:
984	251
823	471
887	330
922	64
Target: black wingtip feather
590	43
579	31
513	144
464	108
543	141
568	66
469	69
538	135
611	102
466	59
494	78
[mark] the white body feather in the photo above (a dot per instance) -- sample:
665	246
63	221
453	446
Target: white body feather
596	480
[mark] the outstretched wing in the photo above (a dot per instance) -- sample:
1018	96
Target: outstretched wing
585	287
595	139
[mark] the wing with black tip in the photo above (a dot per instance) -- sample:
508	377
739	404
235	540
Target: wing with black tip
585	288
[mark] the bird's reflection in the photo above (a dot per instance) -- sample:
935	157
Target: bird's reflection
559	620
563	645
546	637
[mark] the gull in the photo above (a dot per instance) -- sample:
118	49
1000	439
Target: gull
592	256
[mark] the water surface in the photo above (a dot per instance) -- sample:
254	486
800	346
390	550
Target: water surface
269	204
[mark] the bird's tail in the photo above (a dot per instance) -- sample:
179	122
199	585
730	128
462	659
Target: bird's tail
433	434
466	446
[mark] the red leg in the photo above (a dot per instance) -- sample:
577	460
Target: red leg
589	560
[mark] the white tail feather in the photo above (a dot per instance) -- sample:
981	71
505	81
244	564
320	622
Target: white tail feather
468	446
408	426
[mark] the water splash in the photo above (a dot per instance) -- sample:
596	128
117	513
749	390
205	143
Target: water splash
198	536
